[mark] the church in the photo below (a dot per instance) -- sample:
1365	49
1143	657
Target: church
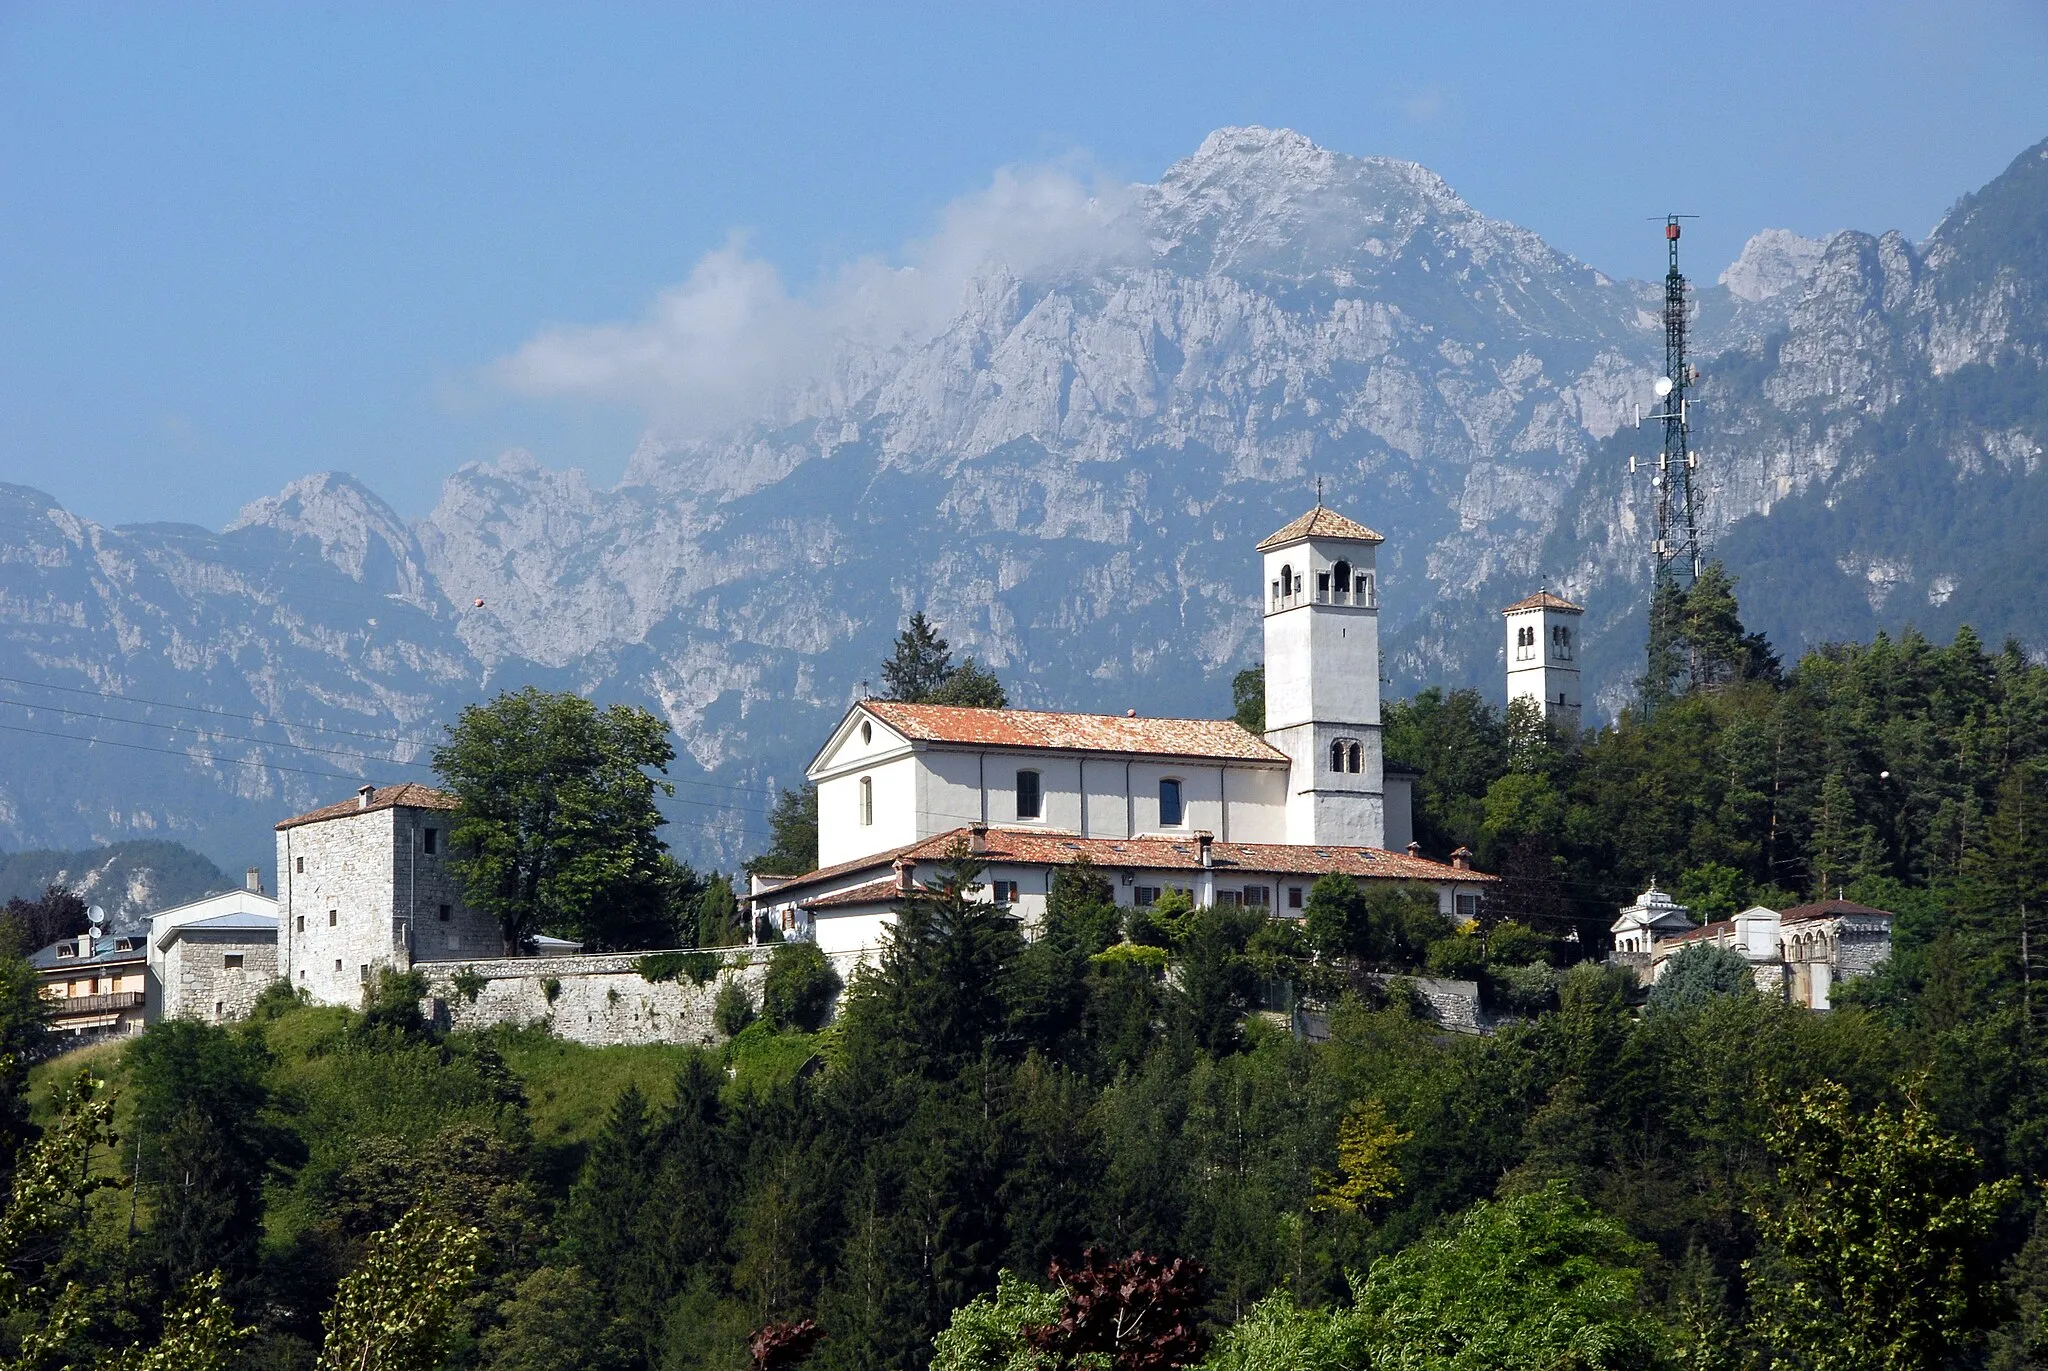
1201	806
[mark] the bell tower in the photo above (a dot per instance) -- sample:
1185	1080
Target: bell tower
1543	656
1321	593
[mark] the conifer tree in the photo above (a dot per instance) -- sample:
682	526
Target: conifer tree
600	1226
920	664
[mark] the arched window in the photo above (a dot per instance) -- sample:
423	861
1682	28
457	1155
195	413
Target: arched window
1341	575
1286	580
867	801
1352	759
1337	755
1027	795
1169	804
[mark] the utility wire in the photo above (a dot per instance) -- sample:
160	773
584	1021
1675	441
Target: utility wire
274	721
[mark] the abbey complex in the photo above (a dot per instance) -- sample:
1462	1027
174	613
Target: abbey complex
1202	807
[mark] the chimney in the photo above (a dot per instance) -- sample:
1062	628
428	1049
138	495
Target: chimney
1462	859
906	875
252	881
977	840
1414	848
363	794
1204	839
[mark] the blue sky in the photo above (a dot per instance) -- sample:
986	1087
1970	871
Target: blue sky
242	243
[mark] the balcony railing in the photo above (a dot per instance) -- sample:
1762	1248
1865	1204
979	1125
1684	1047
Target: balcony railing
97	1004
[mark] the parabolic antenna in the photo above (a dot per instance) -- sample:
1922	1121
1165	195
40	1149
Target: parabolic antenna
1662	387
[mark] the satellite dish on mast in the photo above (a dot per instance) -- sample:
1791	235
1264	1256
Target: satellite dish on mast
1662	386
99	919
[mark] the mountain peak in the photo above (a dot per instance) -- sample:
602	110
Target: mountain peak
1772	262
356	530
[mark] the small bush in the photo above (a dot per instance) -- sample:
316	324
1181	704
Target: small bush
1513	944
799	988
1522	989
469	983
552	988
700	967
733	1010
1456	958
1152	959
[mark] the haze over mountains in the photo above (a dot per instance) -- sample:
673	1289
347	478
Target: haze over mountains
1067	469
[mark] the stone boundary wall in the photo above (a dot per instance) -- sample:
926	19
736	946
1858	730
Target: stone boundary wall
600	999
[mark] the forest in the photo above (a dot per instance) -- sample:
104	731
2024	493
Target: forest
1099	1145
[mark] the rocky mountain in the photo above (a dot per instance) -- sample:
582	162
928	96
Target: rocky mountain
128	880
1068	474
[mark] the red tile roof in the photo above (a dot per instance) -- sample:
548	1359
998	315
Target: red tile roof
409	796
1040	848
1320	523
874	892
1543	599
1074	732
1831	909
1705	932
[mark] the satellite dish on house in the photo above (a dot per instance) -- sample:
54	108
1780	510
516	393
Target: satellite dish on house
99	919
1662	386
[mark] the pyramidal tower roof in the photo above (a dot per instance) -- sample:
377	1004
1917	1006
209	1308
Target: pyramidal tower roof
1543	599
1321	523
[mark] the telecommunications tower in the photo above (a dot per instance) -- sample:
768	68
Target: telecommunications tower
1677	545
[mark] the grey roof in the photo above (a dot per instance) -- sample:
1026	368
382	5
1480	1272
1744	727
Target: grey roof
104	953
221	923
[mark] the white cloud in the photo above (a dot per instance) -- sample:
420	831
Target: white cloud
732	342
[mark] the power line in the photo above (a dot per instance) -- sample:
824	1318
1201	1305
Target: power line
212	760
274	721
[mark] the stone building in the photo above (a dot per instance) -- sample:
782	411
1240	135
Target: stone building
1197	805
365	885
1800	953
211	958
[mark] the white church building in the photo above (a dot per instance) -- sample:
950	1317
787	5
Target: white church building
1197	805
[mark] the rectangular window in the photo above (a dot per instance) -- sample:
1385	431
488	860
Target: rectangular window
430	840
446	912
299	865
1468	906
1145	896
366	973
232	961
1260	896
1294	897
1230	899
867	800
337	966
1003	892
1027	795
333	917
1169	804
302	923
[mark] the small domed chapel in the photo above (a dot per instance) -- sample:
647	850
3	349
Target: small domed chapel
1201	806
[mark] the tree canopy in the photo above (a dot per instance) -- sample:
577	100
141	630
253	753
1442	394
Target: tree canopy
556	832
921	671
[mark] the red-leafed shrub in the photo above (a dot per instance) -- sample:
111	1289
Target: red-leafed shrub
1140	1311
780	1346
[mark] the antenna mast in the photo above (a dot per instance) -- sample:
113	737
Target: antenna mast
1677	545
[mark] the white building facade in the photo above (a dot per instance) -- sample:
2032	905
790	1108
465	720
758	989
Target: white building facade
1799	954
1199	805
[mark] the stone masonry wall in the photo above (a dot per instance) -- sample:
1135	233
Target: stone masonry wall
338	869
199	984
371	874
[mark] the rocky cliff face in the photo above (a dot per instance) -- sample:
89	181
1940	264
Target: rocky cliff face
1068	475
